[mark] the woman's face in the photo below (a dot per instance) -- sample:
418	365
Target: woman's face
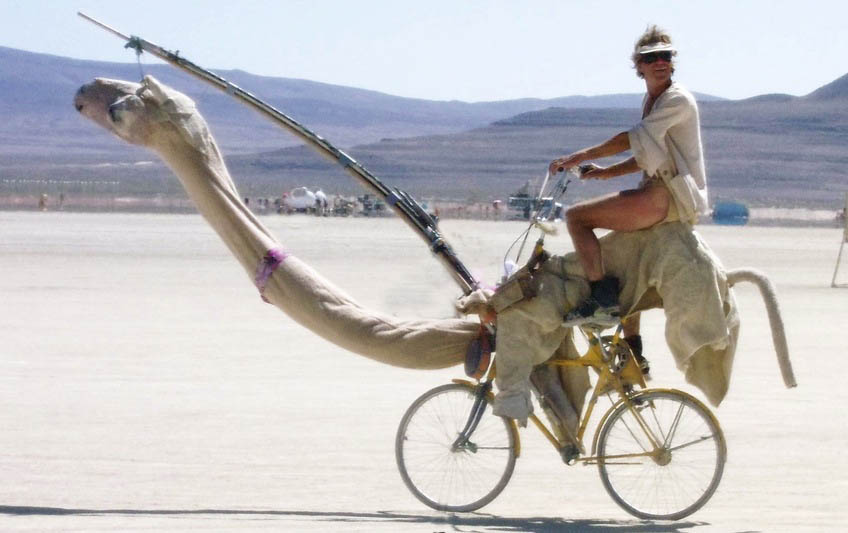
657	72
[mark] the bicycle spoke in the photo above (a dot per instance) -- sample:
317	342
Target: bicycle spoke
692	443
673	429
670	481
441	474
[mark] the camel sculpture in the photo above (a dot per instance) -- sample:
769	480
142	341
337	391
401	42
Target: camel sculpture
167	122
667	266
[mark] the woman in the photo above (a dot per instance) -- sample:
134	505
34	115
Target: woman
666	147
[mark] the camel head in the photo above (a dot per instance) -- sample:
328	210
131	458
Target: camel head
148	113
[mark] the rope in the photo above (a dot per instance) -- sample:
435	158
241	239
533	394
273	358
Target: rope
135	44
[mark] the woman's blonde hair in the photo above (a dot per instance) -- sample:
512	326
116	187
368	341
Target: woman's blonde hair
653	34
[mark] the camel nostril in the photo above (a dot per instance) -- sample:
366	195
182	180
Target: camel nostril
79	107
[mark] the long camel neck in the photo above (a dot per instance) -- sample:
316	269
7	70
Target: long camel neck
209	185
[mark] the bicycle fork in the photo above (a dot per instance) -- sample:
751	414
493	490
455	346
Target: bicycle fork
462	441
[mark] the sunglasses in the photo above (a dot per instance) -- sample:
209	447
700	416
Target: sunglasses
653	56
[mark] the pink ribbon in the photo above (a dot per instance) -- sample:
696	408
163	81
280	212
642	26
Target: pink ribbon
273	258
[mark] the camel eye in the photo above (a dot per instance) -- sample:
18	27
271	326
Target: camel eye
113	115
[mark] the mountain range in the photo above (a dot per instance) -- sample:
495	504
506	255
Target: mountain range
774	150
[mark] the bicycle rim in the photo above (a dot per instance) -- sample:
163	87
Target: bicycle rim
671	484
438	474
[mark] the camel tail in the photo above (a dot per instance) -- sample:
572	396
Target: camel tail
778	332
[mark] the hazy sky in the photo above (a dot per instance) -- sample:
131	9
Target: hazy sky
470	50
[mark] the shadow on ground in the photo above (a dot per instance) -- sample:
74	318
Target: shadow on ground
441	521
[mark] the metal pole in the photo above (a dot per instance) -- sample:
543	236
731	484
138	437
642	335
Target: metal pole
402	203
841	245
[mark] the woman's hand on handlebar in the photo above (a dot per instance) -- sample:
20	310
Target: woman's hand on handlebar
566	162
587	172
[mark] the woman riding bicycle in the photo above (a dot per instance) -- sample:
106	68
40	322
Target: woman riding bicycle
666	147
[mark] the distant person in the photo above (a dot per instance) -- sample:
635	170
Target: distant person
666	147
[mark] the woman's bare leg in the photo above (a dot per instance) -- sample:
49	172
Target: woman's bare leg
628	210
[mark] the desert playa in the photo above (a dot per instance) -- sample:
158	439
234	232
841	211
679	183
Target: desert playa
145	386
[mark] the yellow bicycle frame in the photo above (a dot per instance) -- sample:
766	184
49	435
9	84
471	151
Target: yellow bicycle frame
609	379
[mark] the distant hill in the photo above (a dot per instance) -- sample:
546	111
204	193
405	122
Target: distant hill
39	120
835	90
774	150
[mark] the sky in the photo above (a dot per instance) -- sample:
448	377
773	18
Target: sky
470	50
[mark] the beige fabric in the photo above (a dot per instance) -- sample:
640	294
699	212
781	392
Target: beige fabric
667	266
676	269
167	121
667	143
326	310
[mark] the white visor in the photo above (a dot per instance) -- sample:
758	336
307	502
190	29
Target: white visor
656	47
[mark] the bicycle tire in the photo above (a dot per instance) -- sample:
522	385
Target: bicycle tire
675	483
447	479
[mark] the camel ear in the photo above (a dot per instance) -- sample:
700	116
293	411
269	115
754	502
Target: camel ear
177	108
169	101
157	90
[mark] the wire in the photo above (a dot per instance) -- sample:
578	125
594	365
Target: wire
557	193
511	246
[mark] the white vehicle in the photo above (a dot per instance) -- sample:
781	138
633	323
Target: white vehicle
299	199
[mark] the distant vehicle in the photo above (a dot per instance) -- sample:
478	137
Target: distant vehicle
371	206
299	199
342	207
528	204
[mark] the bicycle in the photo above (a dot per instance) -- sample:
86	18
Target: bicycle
660	452
454	455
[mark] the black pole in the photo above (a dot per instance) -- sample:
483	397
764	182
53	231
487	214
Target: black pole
403	204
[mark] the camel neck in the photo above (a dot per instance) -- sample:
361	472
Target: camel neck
205	178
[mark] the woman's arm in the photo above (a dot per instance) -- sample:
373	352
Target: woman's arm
616	145
628	166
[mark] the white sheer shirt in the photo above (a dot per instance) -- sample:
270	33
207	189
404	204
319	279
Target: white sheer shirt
667	144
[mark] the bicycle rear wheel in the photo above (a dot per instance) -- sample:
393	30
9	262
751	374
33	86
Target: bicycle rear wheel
675	479
441	474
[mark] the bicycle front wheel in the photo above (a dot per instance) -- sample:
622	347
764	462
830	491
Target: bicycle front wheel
662	459
443	473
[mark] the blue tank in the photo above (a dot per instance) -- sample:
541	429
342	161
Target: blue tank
730	213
